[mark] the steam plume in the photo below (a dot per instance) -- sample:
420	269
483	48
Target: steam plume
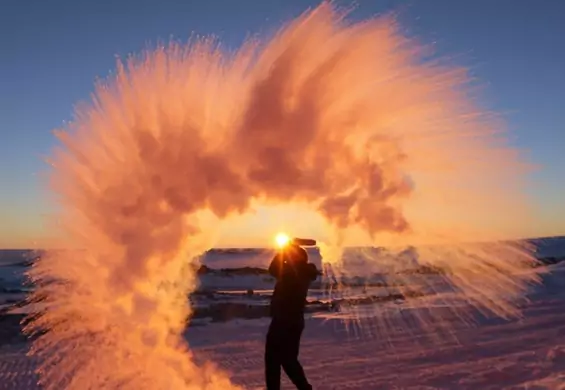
347	118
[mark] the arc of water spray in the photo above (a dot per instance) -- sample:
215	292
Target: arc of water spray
345	117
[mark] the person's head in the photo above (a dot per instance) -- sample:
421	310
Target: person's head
295	254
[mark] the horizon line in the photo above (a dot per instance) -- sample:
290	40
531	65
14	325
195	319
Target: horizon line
315	246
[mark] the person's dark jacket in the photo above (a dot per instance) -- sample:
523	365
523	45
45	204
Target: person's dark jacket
293	274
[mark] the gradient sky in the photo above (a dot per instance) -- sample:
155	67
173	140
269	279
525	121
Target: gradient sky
52	52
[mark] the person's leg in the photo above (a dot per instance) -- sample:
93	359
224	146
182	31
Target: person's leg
289	358
272	359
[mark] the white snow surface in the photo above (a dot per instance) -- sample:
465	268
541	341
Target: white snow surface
337	353
524	353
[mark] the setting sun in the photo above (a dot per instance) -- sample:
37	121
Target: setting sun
282	239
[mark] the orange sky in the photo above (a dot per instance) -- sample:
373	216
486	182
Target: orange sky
255	229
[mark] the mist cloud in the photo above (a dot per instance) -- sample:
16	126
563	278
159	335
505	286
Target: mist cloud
345	117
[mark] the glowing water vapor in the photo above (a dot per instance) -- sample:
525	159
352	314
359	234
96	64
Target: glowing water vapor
344	117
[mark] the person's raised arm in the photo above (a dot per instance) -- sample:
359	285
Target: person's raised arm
311	272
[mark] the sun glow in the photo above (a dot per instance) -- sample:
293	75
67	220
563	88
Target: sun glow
282	239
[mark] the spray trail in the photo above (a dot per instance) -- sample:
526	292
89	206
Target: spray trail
344	117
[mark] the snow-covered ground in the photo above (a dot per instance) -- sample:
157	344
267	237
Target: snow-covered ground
385	350
527	353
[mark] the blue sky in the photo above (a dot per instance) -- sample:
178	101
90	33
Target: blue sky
52	52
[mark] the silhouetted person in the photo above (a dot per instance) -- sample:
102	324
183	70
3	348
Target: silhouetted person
294	274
